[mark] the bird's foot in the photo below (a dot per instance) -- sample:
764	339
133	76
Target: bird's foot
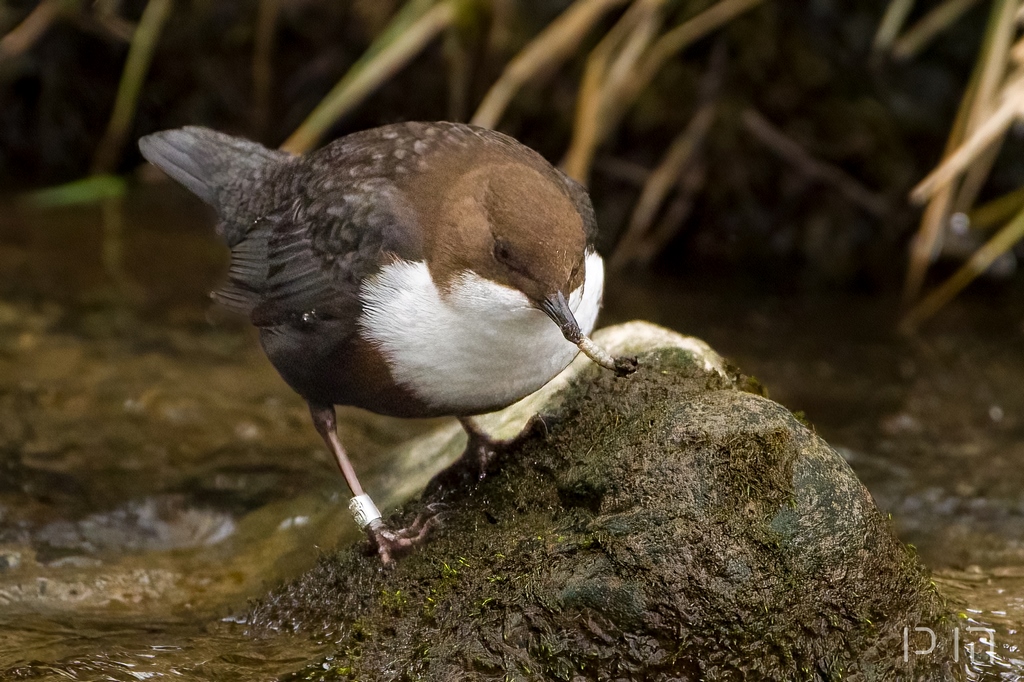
479	459
390	543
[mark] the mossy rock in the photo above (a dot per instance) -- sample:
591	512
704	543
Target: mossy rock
667	526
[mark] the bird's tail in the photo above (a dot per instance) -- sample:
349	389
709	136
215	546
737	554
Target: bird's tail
224	171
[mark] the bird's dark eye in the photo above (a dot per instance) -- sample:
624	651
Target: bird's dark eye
501	252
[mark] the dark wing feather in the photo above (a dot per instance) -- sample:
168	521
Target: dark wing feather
247	275
320	251
300	280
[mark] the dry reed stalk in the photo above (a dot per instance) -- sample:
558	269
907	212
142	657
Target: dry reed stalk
923	245
812	168
552	46
930	25
976	176
976	265
1017	51
639	243
895	17
407	35
263	63
690	185
600	109
662	180
594	94
990	129
995	51
23	36
685	34
620	72
140	55
105	17
976	103
997	211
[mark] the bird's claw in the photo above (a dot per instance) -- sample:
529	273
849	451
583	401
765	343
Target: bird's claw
431	517
390	543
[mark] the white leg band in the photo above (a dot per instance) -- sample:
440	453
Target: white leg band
363	510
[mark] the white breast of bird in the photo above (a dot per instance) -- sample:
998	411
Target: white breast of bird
478	346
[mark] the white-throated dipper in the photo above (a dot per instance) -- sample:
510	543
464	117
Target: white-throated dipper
413	270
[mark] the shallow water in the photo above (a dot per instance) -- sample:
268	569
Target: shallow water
155	472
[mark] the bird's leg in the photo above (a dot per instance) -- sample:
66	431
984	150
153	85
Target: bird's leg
477	459
368	518
480	450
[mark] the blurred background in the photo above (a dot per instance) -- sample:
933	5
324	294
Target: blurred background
831	193
775	140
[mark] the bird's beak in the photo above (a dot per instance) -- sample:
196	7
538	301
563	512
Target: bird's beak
557	308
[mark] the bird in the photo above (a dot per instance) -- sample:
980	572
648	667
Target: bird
417	269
